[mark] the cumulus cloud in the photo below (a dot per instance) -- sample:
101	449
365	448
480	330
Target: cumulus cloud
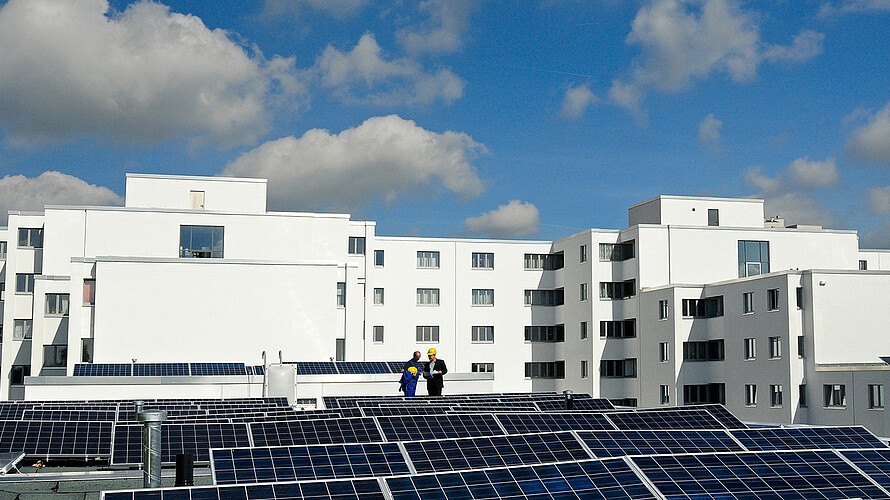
709	133
514	219
797	208
381	158
754	177
363	75
72	69
789	195
335	8
848	6
576	101
814	174
870	143
879	200
682	41
18	192
444	31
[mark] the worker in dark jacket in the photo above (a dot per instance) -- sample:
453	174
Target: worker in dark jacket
432	372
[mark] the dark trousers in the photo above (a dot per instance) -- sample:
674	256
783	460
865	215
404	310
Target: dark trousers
433	390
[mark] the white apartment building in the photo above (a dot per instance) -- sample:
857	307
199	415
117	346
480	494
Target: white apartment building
697	300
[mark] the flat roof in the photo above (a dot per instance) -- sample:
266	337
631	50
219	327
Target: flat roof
198	178
703	198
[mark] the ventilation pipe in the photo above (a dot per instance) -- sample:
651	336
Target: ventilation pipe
151	446
570	399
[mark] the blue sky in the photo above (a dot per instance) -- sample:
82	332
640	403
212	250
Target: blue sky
457	118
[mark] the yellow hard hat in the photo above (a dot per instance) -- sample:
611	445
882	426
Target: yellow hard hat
412	370
431	352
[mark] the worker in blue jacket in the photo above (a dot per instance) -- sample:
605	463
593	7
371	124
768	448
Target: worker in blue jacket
410	375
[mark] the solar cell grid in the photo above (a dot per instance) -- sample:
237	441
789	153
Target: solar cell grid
196	439
874	463
439	427
56	438
725	417
519	423
214	369
353	367
70	415
800	438
358	489
315	368
619	443
300	463
785	474
678	419
326	431
395	366
578	404
103	370
160	369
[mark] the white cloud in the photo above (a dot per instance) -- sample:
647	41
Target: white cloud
334	8
682	41
709	133
870	143
576	101
444	31
72	69
798	208
363	75
514	219
382	158
814	174
847	6
755	178
879	200
18	192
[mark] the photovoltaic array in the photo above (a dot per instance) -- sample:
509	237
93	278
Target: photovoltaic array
806	438
619	443
439	427
327	431
196	439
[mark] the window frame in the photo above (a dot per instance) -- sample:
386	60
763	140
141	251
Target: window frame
431	293
56	304
188	252
583	333
427	334
483	297
482	260
25	326
582	253
750	349
748	303
341	294
356	245
585	369
544	333
481	367
747	264
379	258
89	291
835	395
374	331
4	249
30	237
775	347
28	288
750	395
664	352
664	394
664	311
428	259
379	297
775	395
55	349
875	396
583	292
17	374
482	334
772	299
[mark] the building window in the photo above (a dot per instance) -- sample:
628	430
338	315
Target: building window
546	369
55	356
427	296
196	200
583	292
800	297
378	296
2	250
750	395
582	251
483	260
753	258
802	390
89	292
618	329
710	350
618	368
583	330
427	333
340	349
24	283
22	329
775	396
482	367
18	373
2	293
876	396
86	350
772	299
663	310
747	302
549	333
30	237
665	391
704	393
341	294
709	307
775	347
378	334
584	368
616	251
835	395
545	297
713	217
356	245
801	346
547	262
483	334
428	259
378	258
618	289
863	265
664	352
750	348
204	242
56	304
483	297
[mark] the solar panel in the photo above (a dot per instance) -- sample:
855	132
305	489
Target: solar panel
678	419
315	368
70	415
327	431
352	367
438	455
619	443
438	427
874	463
161	370
771	474
386	411
612	479
213	369
724	416
807	438
84	439
524	423
256	370
103	370
395	366
578	404
348	489
176	438
300	463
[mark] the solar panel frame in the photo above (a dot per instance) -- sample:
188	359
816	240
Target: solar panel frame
320	431
217	369
525	423
807	438
56	439
873	463
103	370
341	489
664	419
361	367
161	370
315	367
605	444
439	426
70	415
176	438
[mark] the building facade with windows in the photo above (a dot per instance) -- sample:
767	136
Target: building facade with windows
697	300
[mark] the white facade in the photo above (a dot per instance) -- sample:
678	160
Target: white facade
271	284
